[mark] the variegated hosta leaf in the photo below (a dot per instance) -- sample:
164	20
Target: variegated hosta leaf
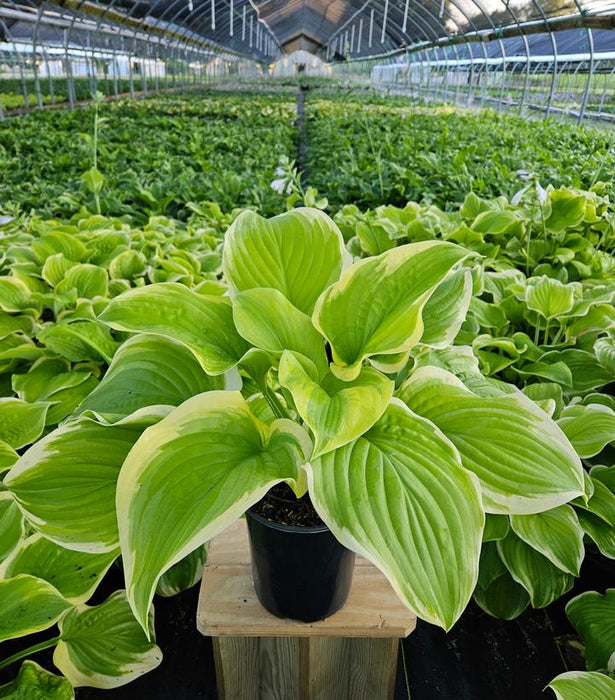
540	578
184	574
593	617
523	460
583	685
79	340
149	370
549	297
336	411
601	532
21	423
299	253
103	646
35	683
496	592
556	533
601	502
446	310
399	496
605	475
11	524
376	307
8	457
267	320
88	280
204	324
75	574
196	472
65	483
589	428
29	605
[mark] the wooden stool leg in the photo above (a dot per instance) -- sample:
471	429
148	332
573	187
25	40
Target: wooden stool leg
257	668
349	668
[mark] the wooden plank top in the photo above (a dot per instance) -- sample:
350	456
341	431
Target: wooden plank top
228	605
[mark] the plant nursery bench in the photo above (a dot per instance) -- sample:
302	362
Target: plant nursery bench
351	655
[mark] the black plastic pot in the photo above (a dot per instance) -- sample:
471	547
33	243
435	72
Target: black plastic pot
302	573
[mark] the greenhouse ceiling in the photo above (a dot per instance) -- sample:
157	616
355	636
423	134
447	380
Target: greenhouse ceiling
263	29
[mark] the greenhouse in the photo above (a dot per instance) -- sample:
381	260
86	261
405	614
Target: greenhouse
307	349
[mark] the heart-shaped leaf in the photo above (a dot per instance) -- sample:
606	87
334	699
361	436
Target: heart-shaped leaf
593	617
583	685
35	682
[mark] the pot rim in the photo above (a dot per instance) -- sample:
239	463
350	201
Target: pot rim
297	529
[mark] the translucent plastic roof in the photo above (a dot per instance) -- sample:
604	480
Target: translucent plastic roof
335	28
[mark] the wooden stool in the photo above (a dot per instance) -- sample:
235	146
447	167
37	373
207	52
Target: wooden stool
349	656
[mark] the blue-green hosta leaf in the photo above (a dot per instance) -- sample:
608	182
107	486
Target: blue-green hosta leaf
583	685
183	575
148	370
496	527
29	605
74	574
204	324
399	496
65	484
556	533
589	428
593	617
20	422
35	683
376	307
549	297
299	253
103	646
199	469
540	578
535	471
11	525
336	411
446	310
267	320
79	340
89	281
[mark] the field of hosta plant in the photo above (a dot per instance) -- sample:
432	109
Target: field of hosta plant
438	375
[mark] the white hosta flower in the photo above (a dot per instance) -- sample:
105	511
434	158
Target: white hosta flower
280	185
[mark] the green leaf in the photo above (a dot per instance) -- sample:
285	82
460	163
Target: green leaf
446	310
21	423
602	533
79	340
127	265
201	467
299	253
35	683
28	605
496	527
149	370
267	320
94	180
556	533
204	324
593	617
586	372
549	297
11	525
74	574
400	497
541	579
601	502
89	281
497	593
55	268
336	411
15	295
606	475
495	222
65	483
567	210
376	307
535	471
103	646
589	428
583	685
183	575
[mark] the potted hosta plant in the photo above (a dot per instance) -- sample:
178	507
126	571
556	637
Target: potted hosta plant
290	378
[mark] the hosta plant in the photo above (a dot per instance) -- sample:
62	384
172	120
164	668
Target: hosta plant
289	377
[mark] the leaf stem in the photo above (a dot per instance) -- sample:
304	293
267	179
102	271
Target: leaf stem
30	650
274	403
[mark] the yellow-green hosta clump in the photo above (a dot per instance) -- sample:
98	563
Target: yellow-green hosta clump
291	378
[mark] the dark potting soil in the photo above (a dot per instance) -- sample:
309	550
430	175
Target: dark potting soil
280	505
